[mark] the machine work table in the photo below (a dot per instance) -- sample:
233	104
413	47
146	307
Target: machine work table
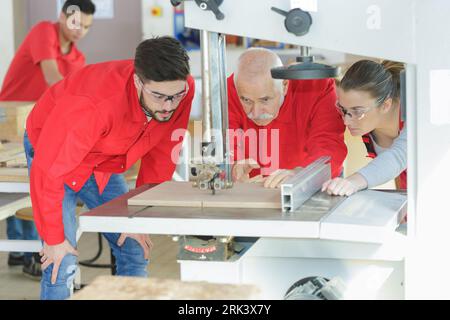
368	216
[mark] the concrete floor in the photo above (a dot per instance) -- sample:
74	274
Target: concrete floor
15	286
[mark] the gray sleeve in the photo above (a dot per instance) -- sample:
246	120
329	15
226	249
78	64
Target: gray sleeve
388	164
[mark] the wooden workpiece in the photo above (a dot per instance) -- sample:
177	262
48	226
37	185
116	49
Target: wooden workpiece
127	288
182	194
12	155
13	116
13	163
19	175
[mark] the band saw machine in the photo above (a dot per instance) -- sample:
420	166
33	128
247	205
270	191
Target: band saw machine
343	247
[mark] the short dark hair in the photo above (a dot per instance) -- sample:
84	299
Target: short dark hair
161	59
86	6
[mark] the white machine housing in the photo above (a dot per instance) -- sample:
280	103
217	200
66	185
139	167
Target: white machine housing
412	31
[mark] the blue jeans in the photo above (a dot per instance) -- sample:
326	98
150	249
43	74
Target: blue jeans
17	229
130	259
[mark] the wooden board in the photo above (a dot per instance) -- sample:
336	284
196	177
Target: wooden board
127	288
13	116
14	175
182	194
19	106
12	148
12	155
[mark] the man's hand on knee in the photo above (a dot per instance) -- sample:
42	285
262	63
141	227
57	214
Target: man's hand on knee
143	240
55	255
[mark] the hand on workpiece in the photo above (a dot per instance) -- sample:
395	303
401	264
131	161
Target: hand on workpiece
242	168
143	240
55	255
276	179
345	187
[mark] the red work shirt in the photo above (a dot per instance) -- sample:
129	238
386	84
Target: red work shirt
92	123
308	124
25	80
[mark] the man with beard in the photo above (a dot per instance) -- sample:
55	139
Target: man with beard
87	130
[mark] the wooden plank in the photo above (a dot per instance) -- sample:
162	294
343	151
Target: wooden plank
182	194
127	288
14	175
117	216
12	155
17	105
12	148
13	116
14	163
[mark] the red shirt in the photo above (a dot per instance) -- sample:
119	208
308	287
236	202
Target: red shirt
308	123
92	123
25	80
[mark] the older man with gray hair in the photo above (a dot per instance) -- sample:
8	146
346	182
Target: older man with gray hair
280	126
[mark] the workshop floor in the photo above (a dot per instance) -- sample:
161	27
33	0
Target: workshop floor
15	286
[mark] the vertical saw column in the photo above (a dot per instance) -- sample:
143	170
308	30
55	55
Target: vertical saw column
215	102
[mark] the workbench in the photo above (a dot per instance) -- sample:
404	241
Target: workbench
13	174
14	181
13	116
9	204
357	237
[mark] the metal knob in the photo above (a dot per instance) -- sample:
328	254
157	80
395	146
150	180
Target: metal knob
212	5
297	21
207	5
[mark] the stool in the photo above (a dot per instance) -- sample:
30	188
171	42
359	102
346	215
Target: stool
25	214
